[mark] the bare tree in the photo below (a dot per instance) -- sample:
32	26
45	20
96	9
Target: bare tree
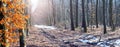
105	31
71	16
96	13
111	20
76	23
54	16
83	16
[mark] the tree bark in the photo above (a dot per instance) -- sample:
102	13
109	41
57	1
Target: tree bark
76	23
88	17
71	16
104	24
96	13
22	38
111	20
84	19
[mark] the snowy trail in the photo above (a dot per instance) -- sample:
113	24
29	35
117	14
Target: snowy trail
45	27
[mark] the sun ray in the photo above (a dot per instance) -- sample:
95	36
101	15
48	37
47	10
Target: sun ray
34	4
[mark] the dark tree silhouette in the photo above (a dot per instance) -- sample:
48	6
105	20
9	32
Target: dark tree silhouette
71	16
83	16
105	31
96	13
76	23
111	20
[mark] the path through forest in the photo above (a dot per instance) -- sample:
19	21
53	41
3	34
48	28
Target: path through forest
54	37
39	37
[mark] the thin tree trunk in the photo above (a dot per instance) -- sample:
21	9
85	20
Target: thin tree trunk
91	18
71	16
84	19
54	17
76	23
117	12
111	20
96	13
88	19
104	24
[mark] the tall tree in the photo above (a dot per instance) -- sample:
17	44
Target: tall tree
105	31
117	12
48	18
71	16
96	13
76	23
54	16
88	13
83	16
111	20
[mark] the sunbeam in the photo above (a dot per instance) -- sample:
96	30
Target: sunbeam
34	4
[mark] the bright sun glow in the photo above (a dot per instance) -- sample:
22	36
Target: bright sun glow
34	4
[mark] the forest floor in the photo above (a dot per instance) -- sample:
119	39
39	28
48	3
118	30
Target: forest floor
39	37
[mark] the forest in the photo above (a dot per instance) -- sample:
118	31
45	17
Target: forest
59	23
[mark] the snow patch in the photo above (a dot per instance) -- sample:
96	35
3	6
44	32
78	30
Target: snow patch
45	27
94	40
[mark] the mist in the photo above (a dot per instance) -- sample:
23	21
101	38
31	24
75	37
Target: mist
39	11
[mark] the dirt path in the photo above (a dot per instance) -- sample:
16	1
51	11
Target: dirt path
54	38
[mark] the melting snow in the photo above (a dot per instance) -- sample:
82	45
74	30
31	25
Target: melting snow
91	39
45	27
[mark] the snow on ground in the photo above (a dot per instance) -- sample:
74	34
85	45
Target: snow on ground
45	27
97	40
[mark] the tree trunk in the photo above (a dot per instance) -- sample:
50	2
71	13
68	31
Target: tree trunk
54	16
117	12
76	23
111	20
71	16
104	24
84	19
22	38
88	19
96	13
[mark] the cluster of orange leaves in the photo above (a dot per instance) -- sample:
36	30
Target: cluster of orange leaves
14	18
